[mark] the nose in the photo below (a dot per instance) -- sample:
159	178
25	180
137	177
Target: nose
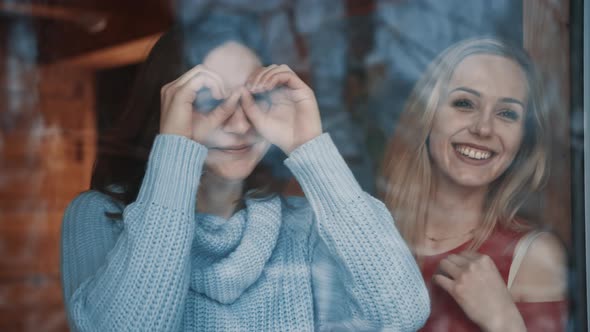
483	123
237	123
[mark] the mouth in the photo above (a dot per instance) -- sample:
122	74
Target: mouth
471	152
235	149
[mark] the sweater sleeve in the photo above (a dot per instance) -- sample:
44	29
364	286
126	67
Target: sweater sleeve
135	278
358	249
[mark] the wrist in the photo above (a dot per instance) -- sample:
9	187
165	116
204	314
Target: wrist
296	145
509	321
168	131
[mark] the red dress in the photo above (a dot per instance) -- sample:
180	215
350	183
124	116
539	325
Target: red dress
447	315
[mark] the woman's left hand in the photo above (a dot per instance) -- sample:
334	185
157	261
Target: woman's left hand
289	117
476	285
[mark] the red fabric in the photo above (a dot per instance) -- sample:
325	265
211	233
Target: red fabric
447	315
544	316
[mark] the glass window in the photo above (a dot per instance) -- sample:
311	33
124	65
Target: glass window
470	143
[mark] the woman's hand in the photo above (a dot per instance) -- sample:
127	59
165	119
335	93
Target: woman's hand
178	115
474	282
290	117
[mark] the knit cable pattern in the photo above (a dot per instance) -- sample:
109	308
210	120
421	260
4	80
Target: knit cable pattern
223	275
332	261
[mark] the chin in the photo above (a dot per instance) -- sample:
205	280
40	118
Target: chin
473	180
234	167
233	171
472	183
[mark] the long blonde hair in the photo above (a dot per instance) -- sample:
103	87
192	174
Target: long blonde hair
406	184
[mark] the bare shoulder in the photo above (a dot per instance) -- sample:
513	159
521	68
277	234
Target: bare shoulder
542	275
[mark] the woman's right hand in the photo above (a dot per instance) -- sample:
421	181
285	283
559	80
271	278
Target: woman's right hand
177	114
473	280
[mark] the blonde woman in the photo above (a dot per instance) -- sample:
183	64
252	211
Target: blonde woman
472	143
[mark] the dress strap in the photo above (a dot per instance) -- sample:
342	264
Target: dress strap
519	252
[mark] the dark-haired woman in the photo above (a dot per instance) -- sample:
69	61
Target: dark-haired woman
186	240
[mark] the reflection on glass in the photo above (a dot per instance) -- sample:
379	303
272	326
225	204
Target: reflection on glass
66	76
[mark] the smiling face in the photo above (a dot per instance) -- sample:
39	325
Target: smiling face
236	147
479	124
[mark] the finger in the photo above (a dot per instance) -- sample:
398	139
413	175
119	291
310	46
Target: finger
256	77
253	76
444	282
164	98
213	83
458	259
253	112
264	77
481	262
470	255
200	69
273	79
284	77
168	91
449	268
187	93
225	110
264	72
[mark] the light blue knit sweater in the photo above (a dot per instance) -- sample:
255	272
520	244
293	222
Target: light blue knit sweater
331	261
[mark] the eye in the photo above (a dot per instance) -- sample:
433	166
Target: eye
509	114
463	103
262	100
207	105
204	102
261	97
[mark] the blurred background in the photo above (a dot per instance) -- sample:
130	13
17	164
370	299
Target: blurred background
67	66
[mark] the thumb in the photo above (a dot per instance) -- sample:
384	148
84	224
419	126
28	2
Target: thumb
253	112
225	110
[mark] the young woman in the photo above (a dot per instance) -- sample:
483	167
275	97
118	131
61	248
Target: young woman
189	240
470	145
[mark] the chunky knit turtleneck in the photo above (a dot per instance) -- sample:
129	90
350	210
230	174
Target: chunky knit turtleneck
229	255
331	260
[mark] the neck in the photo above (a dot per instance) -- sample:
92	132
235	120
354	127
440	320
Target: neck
454	211
219	196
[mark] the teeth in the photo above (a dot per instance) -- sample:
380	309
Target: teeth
473	153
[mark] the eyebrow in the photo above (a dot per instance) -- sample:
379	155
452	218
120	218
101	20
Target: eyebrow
512	100
476	93
473	92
